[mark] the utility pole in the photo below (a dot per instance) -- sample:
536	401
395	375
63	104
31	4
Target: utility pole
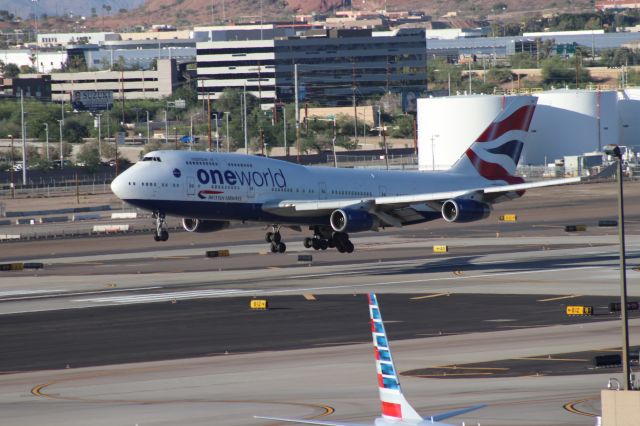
244	113
295	79
24	140
148	137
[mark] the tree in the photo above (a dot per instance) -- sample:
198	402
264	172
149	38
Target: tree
10	70
89	155
555	70
74	131
231	101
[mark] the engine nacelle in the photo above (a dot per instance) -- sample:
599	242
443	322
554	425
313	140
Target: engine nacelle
461	210
201	226
348	220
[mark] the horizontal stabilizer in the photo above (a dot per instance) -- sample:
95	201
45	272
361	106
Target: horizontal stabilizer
452	413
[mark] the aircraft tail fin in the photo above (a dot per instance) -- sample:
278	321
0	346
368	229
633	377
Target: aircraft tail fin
495	153
394	405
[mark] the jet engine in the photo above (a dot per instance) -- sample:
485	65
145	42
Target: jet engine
348	220
201	226
462	210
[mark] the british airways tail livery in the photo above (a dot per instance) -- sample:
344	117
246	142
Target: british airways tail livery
210	189
395	409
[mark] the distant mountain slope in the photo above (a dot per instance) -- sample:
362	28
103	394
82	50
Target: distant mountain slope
24	8
189	13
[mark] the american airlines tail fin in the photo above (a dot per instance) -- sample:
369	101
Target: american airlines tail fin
394	404
495	153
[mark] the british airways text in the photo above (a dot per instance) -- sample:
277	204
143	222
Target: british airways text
245	178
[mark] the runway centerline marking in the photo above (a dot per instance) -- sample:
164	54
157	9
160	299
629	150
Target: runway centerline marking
551	299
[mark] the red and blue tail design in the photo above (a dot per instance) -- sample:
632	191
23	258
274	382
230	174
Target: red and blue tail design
394	405
495	153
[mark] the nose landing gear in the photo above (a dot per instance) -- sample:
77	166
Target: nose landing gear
161	233
275	239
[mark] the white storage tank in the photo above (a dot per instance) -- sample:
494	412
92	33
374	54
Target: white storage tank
629	111
448	126
571	122
566	122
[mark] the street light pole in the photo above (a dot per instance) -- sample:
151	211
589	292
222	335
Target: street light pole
284	132
614	151
98	117
13	166
217	133
60	123
433	152
166	128
226	113
148	140
244	114
46	131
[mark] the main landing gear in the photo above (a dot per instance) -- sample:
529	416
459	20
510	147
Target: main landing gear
274	237
329	239
161	233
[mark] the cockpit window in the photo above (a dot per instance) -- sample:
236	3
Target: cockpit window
151	159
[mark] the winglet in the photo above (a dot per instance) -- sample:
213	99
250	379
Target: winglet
394	405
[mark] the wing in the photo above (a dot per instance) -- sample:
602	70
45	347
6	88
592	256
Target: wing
311	422
391	209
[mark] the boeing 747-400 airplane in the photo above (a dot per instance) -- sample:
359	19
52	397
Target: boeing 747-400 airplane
396	410
210	189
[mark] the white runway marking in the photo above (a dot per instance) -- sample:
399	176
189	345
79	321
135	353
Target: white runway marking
10	293
163	297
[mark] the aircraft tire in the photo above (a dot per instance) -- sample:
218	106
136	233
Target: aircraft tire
331	243
282	247
276	237
315	243
164	235
156	237
308	243
323	244
349	247
274	248
268	237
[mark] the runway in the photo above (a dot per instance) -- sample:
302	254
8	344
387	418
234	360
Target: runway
121	330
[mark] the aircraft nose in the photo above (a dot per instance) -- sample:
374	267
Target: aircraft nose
118	186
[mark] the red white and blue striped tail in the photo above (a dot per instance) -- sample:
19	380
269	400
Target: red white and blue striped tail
394	405
495	153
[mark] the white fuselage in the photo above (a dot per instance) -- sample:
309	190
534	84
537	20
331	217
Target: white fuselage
219	186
